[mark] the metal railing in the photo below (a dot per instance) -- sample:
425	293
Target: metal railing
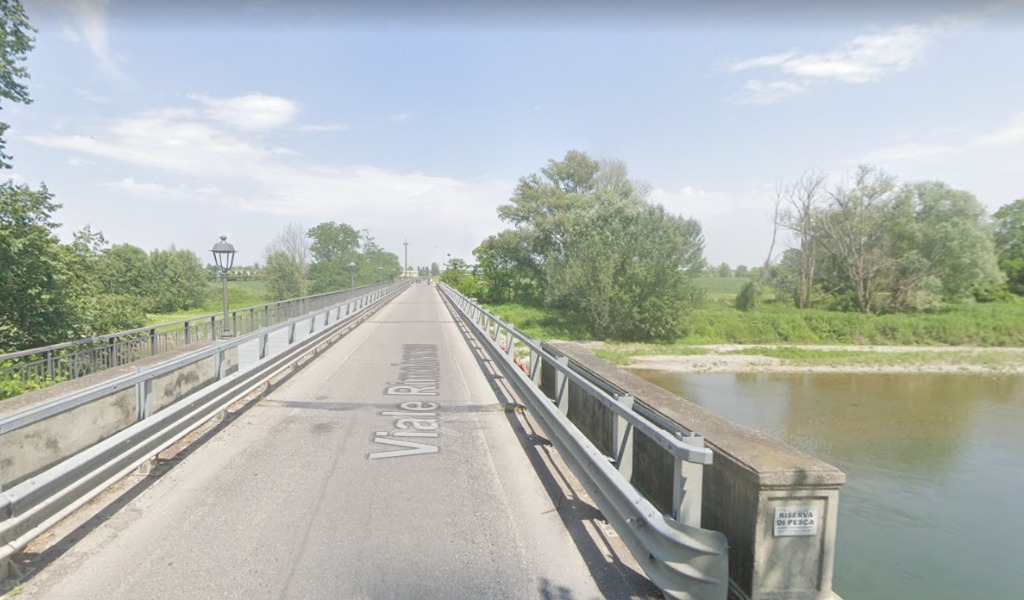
71	360
33	505
682	559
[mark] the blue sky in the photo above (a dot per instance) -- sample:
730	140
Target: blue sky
163	123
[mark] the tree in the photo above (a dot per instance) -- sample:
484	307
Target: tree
15	45
507	268
942	244
283	276
742	271
628	268
853	231
334	246
724	270
294	241
180	280
37	283
1009	243
541	204
799	209
125	269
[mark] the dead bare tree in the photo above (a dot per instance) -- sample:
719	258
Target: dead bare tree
293	241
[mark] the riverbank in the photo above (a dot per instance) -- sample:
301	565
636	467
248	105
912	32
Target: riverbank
768	358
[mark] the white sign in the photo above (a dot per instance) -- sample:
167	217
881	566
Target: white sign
795	520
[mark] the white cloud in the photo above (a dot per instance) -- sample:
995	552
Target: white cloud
254	112
181	157
909	151
865	59
89	23
399	117
1009	135
768	92
321	128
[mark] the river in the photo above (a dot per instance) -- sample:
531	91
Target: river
933	506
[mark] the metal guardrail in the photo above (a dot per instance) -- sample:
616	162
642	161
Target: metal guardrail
36	504
682	559
70	360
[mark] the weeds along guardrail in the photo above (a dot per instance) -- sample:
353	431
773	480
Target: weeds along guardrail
61	454
39	367
608	443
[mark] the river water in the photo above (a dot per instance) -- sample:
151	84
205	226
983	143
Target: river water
933	505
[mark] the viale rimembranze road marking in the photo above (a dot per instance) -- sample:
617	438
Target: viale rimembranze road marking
416	422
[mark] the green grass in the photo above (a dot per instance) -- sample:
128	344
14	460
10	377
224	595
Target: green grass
540	323
805	356
995	324
241	294
721	288
620	354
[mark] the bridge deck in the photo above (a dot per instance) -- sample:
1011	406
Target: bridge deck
385	469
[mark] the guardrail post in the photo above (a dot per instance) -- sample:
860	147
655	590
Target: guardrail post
188	330
263	345
622	437
509	348
562	384
152	342
291	334
535	362
688	484
143	393
49	364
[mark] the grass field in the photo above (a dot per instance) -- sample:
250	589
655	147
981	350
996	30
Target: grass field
241	294
718	322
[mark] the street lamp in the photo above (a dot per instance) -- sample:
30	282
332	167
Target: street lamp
224	257
352	269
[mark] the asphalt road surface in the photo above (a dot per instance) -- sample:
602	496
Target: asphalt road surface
386	468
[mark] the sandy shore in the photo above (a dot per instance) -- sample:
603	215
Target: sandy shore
955	359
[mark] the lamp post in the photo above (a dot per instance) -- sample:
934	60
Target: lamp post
352	270
224	257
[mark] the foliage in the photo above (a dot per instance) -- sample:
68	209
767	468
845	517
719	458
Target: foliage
283	276
37	279
749	296
507	267
585	239
1009	241
627	268
334	247
460	276
878	246
344	257
15	45
180	280
724	270
994	324
124	269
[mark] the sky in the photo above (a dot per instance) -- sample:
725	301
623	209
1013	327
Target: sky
165	123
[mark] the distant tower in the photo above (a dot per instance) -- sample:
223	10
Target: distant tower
406	244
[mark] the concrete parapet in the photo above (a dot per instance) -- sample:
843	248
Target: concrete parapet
776	505
34	447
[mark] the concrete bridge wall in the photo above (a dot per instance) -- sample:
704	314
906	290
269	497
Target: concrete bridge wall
776	505
33	448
